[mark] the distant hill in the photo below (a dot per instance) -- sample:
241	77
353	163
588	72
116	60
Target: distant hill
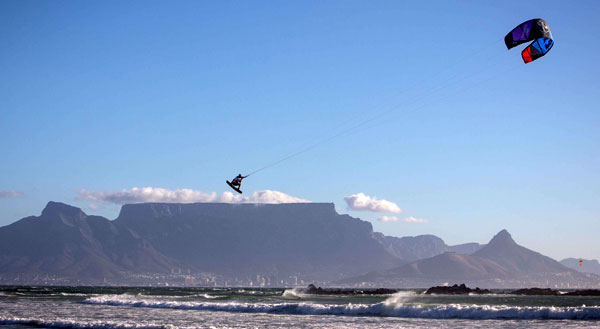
453	266
500	263
504	251
587	265
466	248
412	248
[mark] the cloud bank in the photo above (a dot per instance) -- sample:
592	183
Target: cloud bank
11	194
157	194
394	219
364	202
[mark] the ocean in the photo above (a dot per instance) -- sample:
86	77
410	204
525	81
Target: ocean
119	307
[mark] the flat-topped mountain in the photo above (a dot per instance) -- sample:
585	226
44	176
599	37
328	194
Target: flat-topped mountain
308	240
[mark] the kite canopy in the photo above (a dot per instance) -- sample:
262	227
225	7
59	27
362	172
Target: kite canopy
537	49
527	31
535	29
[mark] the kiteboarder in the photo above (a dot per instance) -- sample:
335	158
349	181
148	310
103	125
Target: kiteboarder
236	183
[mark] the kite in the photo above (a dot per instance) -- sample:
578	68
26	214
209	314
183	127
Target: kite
536	30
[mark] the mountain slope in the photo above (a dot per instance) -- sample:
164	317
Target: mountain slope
503	250
64	241
410	248
500	263
587	265
238	241
308	238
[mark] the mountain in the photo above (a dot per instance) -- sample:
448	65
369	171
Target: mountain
237	241
64	241
412	248
454	266
254	244
587	265
308	239
500	263
504	251
466	248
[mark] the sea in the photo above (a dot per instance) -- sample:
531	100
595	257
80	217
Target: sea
124	307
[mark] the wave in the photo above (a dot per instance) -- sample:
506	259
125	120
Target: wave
389	308
256	292
71	294
35	294
72	324
295	293
207	296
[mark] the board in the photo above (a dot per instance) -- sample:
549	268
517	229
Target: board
233	187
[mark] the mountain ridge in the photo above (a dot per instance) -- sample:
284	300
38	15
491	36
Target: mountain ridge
307	240
500	263
587	265
245	244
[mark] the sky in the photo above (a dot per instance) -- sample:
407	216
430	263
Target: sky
411	115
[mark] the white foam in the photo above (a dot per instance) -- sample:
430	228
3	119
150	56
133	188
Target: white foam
399	298
295	293
392	307
207	296
73	294
46	323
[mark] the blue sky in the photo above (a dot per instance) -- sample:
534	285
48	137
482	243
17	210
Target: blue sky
112	95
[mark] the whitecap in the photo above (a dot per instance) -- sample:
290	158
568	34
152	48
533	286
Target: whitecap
79	324
392	307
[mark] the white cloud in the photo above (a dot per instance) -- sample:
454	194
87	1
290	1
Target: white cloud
395	219
411	219
266	196
388	219
364	202
157	194
11	194
146	194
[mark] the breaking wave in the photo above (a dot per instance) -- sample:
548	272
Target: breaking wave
72	294
295	293
208	296
393	307
73	324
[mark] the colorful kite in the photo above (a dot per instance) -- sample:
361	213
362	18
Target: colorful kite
536	30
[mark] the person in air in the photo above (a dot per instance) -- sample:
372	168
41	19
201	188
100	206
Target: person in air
237	181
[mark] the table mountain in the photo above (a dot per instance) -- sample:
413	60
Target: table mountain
309	240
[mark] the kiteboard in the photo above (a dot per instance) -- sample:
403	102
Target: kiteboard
233	187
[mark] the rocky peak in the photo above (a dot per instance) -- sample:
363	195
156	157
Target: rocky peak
502	238
59	209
